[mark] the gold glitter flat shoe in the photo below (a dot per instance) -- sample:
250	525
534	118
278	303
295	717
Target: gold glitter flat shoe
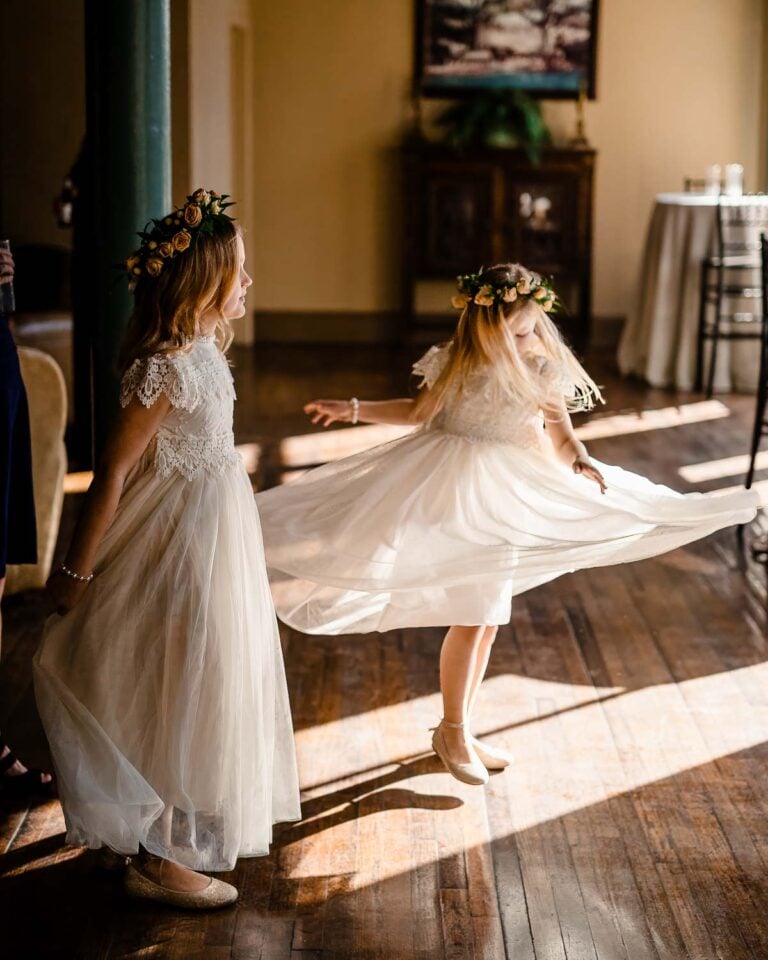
217	894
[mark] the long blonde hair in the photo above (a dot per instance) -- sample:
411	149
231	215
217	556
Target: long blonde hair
167	308
483	338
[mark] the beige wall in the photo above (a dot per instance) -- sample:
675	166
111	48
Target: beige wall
42	105
680	86
219	105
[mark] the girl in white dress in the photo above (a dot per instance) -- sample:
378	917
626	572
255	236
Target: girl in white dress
160	681
493	495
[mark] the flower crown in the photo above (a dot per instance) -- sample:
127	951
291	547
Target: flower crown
202	212
471	288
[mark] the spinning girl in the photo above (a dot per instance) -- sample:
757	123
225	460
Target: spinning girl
492	496
161	682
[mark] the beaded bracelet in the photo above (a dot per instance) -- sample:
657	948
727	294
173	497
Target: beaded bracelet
75	576
355	404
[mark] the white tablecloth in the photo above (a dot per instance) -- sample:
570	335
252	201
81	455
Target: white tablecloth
659	339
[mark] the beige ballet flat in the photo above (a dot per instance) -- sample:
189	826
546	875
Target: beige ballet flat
473	772
216	894
492	758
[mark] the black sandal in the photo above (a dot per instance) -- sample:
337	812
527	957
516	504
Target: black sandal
22	784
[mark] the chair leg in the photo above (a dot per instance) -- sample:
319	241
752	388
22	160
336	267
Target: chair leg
761	409
699	381
715	336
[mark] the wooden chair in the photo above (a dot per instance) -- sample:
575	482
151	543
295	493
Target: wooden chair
730	276
760	429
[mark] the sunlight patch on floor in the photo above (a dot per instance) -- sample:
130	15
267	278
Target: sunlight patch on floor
621	424
726	467
571	751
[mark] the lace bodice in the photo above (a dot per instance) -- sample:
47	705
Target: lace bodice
196	436
481	412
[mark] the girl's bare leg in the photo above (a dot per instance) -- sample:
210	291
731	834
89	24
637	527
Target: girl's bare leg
166	872
481	665
458	666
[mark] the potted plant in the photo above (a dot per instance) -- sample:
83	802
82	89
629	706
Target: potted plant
504	118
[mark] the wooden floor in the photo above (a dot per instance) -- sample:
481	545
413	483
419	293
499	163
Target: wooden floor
633	825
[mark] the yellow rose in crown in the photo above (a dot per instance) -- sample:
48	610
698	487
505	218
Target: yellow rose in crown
130	263
200	196
181	240
484	296
524	286
166	249
510	295
215	207
540	294
193	215
459	301
153	266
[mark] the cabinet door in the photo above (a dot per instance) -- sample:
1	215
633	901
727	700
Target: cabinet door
457	220
541	225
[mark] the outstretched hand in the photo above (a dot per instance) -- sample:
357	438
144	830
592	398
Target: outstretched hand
586	469
329	411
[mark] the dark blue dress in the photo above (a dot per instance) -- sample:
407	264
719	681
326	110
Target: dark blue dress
18	532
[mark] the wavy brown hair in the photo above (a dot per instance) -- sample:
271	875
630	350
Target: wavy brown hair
167	308
483	338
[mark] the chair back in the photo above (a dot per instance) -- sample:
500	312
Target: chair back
741	221
764	282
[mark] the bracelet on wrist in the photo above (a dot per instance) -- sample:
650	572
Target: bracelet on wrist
354	404
75	576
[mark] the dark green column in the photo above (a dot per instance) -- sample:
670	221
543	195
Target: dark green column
128	121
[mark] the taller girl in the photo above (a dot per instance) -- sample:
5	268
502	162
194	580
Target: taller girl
492	496
160	682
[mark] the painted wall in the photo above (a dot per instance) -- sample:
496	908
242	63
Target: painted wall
42	105
680	86
219	139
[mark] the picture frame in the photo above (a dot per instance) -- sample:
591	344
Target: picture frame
545	48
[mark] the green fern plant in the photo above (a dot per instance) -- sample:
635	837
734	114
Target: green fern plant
505	118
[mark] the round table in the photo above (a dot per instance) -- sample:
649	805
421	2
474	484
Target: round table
658	342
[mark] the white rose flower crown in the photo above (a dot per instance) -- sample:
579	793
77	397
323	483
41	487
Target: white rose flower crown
201	213
472	288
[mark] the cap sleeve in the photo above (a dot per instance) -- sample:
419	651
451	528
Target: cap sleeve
147	378
431	365
556	382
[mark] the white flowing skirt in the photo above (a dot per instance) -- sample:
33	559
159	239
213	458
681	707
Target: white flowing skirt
434	529
163	692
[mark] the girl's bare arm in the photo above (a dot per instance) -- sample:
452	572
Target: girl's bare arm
132	431
370	411
567	445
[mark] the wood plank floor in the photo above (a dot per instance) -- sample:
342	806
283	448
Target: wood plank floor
632	826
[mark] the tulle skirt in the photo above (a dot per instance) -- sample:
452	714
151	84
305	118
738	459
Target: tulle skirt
434	529
163	692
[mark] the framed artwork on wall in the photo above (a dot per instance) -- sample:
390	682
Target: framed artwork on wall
546	48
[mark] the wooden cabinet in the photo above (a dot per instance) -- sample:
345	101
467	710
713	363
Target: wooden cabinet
478	207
